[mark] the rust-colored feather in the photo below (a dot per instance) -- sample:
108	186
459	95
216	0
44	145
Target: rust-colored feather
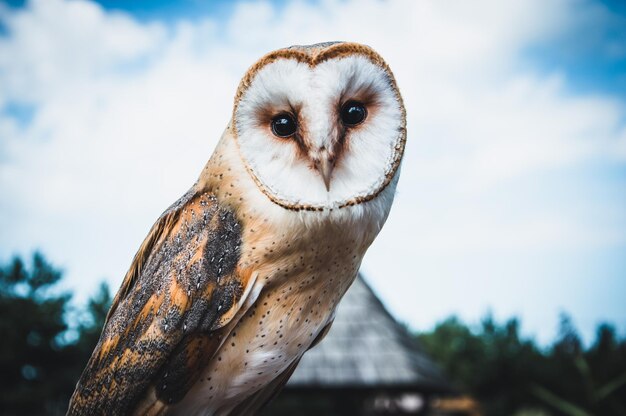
157	231
183	287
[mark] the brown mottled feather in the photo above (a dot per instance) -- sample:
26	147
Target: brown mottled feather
158	230
165	323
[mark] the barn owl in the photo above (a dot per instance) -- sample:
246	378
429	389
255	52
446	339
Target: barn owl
241	276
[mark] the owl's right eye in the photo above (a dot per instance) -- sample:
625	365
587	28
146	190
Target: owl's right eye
283	125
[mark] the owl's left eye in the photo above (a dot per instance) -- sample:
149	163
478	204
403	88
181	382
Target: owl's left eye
283	125
353	113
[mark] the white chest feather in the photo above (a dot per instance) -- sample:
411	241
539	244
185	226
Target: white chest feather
275	331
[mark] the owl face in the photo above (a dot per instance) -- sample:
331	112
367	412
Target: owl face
320	128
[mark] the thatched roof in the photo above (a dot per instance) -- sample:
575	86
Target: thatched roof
367	348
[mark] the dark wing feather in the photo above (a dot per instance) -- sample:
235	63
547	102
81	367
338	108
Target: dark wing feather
165	322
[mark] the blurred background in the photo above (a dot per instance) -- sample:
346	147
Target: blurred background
502	264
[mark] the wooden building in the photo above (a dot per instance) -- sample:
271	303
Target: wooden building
368	364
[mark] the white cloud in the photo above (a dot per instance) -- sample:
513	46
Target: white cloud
128	112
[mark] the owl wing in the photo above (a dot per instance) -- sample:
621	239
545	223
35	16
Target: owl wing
169	316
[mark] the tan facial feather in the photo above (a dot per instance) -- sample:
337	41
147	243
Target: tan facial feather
313	56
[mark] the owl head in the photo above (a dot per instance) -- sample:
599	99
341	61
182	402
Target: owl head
320	127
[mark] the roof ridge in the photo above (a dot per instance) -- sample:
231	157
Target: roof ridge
367	348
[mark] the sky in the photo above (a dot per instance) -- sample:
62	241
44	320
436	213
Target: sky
512	198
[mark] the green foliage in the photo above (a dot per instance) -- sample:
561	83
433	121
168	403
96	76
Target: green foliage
585	382
42	356
39	366
508	374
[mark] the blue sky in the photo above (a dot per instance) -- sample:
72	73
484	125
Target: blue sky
588	58
513	191
591	55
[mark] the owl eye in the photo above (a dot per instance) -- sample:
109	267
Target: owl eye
283	125
353	113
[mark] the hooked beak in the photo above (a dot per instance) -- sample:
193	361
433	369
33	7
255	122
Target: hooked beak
325	167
